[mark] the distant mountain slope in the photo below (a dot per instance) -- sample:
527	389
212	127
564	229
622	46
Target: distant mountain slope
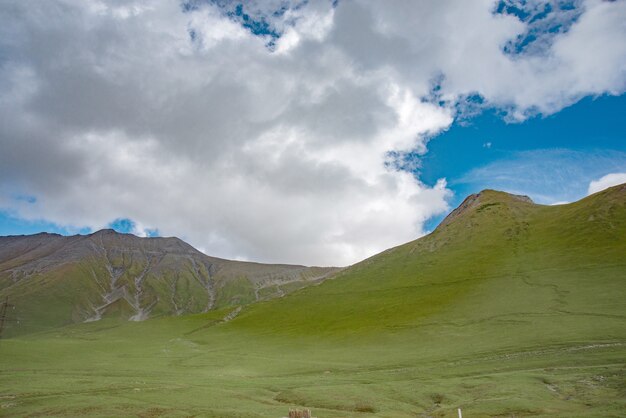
54	280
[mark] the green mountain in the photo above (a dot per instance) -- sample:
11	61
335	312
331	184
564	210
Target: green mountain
507	309
53	280
496	257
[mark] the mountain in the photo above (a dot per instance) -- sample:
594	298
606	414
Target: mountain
55	280
507	309
496	256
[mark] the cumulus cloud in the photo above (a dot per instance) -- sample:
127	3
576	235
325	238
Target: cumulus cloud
266	136
605	182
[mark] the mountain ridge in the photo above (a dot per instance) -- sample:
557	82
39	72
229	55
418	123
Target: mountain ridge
110	273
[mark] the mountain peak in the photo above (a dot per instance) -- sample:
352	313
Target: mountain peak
485	197
106	231
46	234
499	196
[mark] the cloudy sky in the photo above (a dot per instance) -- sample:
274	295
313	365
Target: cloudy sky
315	132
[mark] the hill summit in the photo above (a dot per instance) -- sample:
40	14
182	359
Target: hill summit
482	200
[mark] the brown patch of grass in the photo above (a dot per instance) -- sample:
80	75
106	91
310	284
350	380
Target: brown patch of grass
363	407
437	398
152	413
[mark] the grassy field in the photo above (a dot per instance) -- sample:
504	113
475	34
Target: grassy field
510	309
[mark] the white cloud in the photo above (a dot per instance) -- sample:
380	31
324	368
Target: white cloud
189	123
605	182
563	202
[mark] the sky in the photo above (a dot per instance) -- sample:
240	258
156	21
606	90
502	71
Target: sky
308	132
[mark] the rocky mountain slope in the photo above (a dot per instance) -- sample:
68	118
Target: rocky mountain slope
54	280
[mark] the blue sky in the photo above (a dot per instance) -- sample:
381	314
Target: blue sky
552	159
309	132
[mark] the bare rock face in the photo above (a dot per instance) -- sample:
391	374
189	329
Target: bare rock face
522	198
54	280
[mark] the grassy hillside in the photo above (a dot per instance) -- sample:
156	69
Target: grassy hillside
499	255
54	280
507	309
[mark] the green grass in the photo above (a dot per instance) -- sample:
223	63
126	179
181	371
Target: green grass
237	291
512	309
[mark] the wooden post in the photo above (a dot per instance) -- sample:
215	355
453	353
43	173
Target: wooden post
3	314
460	414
